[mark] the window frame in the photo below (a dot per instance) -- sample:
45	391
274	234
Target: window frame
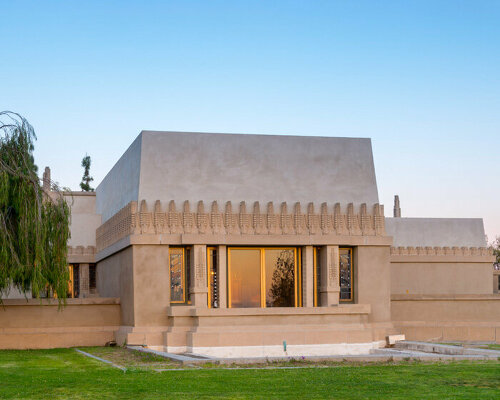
183	275
209	268
297	275
351	299
316	277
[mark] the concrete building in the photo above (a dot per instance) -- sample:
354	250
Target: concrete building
233	245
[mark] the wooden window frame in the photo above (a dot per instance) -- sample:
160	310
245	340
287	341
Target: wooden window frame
183	275
297	274
209	268
351	299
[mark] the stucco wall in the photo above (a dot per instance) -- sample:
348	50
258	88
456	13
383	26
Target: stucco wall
373	280
468	232
226	167
34	324
429	278
121	184
447	318
115	279
151	285
84	219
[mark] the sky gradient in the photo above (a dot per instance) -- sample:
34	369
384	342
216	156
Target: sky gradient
421	78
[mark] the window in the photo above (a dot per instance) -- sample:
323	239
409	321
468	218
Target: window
317	277
263	277
74	281
177	275
345	275
92	278
346	287
213	278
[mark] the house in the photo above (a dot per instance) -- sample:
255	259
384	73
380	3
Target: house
257	245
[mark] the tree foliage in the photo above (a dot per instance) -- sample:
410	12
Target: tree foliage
495	246
86	179
34	224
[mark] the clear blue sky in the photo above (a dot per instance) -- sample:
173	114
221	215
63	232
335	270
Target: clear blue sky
421	78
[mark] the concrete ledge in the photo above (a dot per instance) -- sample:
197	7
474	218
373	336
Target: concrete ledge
444	349
272	311
241	239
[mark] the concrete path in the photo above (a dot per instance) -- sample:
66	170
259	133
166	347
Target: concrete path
377	355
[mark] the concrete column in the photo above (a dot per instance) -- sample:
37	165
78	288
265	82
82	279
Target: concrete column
373	280
198	287
308	276
222	271
84	280
330	285
496	283
151	283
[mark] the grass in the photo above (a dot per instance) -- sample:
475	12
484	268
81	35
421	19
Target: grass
491	346
66	374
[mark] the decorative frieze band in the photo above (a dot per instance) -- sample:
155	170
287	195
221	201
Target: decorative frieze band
134	220
81	250
441	251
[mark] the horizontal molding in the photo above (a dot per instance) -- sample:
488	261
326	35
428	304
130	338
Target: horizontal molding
81	254
134	220
343	309
445	297
441	251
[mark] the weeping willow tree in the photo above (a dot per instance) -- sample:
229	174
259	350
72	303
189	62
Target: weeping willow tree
34	222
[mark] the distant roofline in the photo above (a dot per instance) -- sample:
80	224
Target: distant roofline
256	134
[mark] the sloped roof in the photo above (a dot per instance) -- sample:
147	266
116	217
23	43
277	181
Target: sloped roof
194	166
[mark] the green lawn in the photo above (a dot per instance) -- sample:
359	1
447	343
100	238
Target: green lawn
64	374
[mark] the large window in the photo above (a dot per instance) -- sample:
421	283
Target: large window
263	277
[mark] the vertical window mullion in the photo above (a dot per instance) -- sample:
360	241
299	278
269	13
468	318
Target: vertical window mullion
263	278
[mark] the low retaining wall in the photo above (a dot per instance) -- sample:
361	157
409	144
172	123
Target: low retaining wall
464	318
35	324
256	332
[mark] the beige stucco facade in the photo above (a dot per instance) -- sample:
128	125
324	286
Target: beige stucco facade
160	223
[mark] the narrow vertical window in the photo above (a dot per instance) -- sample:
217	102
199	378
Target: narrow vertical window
92	278
187	269
213	278
74	281
346	287
177	275
317	278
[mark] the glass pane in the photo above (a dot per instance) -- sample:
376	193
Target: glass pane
176	276
244	278
76	281
280	274
317	280
345	275
70	282
213	289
